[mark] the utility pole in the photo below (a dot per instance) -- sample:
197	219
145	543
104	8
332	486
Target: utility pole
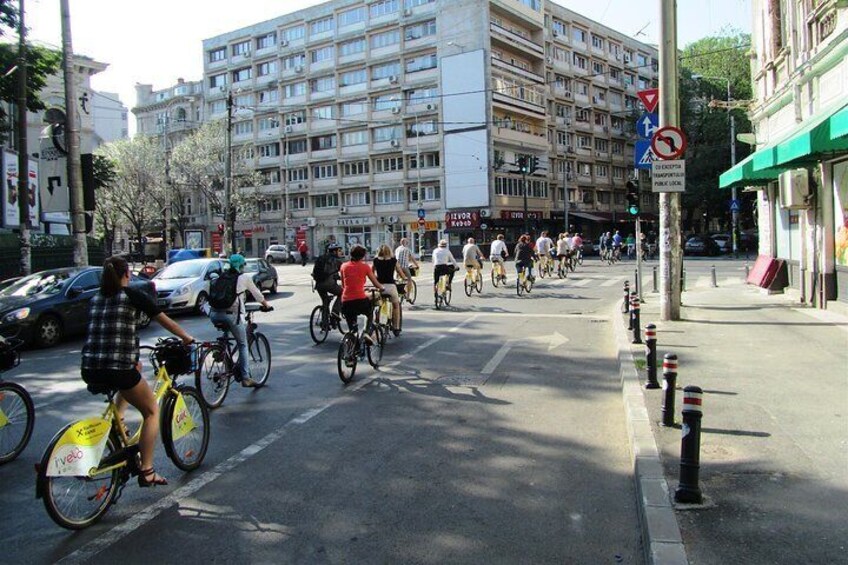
565	202
229	215
23	153
670	252
734	212
72	141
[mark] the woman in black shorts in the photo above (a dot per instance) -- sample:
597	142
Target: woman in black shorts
110	353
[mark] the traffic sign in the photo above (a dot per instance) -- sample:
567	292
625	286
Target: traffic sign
642	154
422	213
421	230
668	143
669	176
483	226
422	222
647	124
734	206
650	98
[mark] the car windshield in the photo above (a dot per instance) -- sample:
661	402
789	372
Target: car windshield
41	283
251	267
182	270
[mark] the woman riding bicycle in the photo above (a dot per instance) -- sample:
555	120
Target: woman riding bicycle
110	354
524	256
385	266
355	302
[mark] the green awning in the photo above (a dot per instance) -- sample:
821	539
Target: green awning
812	140
744	173
839	124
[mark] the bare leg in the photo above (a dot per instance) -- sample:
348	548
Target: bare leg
141	397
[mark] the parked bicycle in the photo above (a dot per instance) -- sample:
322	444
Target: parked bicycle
354	347
218	360
87	464
17	412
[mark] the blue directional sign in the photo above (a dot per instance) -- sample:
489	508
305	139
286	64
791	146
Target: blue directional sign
643	157
421	213
647	124
734	206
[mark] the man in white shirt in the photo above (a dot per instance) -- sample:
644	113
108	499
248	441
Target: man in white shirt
497	253
405	257
543	249
471	255
443	264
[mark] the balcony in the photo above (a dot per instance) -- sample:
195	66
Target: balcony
512	39
355	150
514	69
535	137
323	154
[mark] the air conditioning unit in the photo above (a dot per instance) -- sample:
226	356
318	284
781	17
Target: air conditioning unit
300	185
794	189
343	210
432	106
288	129
246	55
555	34
595	100
298	69
284	43
393	79
396	110
485	213
550	60
570	149
395	143
626	58
407	13
618	56
311	222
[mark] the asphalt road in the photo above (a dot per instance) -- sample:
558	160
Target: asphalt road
492	433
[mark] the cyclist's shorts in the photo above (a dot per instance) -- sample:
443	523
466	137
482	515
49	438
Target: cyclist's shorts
391	291
406	272
353	308
473	265
121	379
496	259
440	270
563	255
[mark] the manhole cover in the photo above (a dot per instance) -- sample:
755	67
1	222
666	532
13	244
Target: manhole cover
462	380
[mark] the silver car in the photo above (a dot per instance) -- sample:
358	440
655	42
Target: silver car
278	254
184	286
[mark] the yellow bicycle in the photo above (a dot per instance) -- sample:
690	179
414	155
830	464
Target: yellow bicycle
523	283
443	292
498	273
473	280
87	464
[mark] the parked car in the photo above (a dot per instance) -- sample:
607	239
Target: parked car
700	245
279	254
724	242
184	286
264	275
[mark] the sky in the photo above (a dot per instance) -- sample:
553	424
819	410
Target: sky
158	41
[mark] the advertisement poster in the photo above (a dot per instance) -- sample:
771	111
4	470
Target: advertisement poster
840	212
32	191
193	239
54	188
10	189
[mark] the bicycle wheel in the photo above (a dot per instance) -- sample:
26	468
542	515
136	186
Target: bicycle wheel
259	351
496	279
319	328
347	358
412	292
519	286
469	286
213	374
185	428
17	416
437	299
528	285
447	297
77	502
478	283
579	259
375	351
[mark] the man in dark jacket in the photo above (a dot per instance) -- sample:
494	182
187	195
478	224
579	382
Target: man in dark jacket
326	276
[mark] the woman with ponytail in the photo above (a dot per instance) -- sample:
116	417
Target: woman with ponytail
110	354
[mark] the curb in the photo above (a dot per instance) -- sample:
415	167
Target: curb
661	537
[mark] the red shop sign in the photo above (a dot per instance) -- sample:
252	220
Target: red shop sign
519	215
462	220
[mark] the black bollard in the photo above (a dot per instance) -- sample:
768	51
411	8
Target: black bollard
714	280
668	385
654	272
688	491
651	356
625	304
637	328
638	283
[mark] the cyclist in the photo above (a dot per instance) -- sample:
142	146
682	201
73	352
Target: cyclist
110	354
630	241
563	249
472	256
405	257
443	264
616	244
325	272
355	301
543	249
524	256
385	266
604	244
234	282
498	253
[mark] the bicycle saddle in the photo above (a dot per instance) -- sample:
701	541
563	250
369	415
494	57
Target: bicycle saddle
109	391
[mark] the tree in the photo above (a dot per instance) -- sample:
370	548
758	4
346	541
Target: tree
106	214
708	152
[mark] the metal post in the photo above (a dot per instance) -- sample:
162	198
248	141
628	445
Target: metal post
625	304
668	386
72	140
651	356
688	491
639	258
637	329
714	281
23	154
734	213
229	217
637	286
526	219
654	273
670	253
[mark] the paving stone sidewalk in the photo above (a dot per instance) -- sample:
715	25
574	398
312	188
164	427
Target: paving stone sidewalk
774	455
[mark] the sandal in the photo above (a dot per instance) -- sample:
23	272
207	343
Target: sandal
152	481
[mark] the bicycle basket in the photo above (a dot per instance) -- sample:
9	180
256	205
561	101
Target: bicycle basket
177	358
413	271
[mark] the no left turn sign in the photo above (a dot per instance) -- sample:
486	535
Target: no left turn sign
668	143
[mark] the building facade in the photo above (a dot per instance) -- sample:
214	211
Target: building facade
800	168
369	121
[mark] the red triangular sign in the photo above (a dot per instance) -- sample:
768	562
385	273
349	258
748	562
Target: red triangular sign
650	98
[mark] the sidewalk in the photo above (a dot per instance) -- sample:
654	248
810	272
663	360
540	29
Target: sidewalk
774	446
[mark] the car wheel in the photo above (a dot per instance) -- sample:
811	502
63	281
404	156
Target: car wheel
143	320
202	299
49	331
273	290
269	259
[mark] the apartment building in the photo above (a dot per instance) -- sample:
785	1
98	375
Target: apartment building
799	68
362	117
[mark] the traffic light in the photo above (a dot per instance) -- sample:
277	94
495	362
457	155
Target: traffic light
534	164
633	198
220	228
522	163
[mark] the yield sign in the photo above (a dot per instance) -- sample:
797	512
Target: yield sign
650	98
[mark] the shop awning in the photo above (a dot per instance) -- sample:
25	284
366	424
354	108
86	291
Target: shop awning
839	124
587	216
743	173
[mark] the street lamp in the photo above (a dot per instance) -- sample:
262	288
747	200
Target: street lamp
734	208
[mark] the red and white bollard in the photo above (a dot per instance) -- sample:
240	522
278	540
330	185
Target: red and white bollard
668	385
635	323
688	491
651	356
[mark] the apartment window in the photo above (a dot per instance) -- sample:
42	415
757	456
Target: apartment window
293	61
242	128
582	89
629	79
601	171
582	115
294	118
298	202
578	34
617	123
422	95
267	68
218	106
350	78
242	100
359	198
642	83
532	4
562	138
326	201
588	196
580	61
216	81
385	70
323	84
267	40
615	98
321	26
266	124
600	119
216	55
355	168
386	102
354	108
614	75
322	54
352	47
629	102
269	150
242	48
268	97
414	3
641	60
388	164
293	33
298	174
421	63
562	83
560	54
618	173
294	89
356	137
352	17
598	68
383	8
325	171
429	192
597	42
244	153
603	196
428	161
323	142
558	27
270	176
602	145
628	55
600	95
417	129
385	39
391	196
584	169
584	141
296	146
387	133
241	74
322	113
617	148
417	31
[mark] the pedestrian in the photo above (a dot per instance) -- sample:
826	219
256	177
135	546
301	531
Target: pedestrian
630	241
304	253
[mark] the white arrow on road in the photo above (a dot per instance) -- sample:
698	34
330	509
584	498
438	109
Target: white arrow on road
553	340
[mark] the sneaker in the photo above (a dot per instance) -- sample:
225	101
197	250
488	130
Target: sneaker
396	332
249	383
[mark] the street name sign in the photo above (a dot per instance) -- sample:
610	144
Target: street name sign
669	175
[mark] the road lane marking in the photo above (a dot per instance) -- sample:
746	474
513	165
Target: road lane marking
512	315
553	340
612	281
581	282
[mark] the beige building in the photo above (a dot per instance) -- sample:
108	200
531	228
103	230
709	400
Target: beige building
361	115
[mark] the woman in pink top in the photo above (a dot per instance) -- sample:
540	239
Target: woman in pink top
355	301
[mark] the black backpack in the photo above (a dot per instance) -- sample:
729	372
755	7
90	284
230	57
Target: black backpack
222	291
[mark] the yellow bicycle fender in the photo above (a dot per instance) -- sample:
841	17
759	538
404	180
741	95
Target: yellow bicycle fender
79	449
182	423
3	419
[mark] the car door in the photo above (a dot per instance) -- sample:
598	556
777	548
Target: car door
213	268
74	310
265	276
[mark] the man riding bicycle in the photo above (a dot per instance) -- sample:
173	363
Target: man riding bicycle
232	315
498	253
443	264
325	272
617	240
405	257
543	249
472	256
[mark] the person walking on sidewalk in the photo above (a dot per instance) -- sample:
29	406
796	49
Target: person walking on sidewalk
304	253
